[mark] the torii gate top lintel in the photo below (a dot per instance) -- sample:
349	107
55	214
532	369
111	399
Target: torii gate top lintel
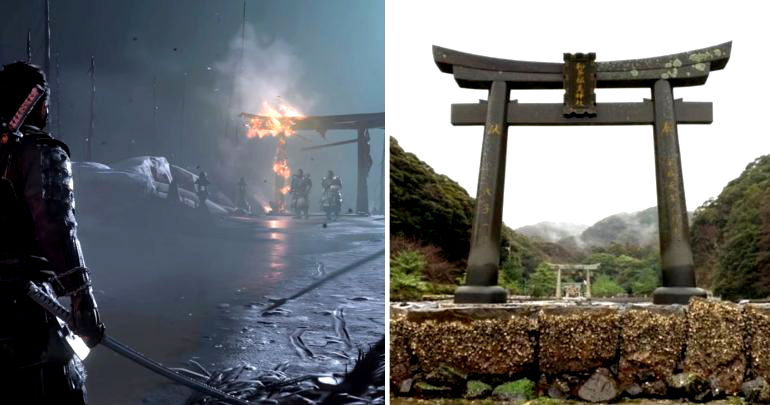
323	123
689	68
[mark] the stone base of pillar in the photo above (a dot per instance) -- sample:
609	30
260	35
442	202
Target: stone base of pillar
477	294
676	295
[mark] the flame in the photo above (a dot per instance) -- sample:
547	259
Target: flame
276	121
273	121
281	168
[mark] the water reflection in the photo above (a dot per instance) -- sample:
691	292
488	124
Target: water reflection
277	236
276	224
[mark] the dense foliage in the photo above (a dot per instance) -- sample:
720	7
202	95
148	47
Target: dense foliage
406	268
427	206
731	236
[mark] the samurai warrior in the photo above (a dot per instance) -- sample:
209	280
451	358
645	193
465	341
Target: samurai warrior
300	190
38	243
331	202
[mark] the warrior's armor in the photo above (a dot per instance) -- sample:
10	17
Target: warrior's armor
300	190
331	180
39	243
301	184
202	186
332	195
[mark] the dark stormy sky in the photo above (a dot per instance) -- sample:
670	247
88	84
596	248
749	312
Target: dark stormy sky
323	57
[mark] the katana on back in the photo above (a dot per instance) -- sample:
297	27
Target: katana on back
11	128
42	298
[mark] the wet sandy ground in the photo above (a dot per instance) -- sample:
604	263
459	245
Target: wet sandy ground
198	295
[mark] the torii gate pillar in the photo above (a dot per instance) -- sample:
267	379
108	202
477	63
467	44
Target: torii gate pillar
673	224
364	164
484	257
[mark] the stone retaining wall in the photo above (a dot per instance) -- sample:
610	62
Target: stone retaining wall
592	351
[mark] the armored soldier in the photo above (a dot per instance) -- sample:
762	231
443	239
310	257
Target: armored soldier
297	188
307	185
38	243
202	186
296	181
331	180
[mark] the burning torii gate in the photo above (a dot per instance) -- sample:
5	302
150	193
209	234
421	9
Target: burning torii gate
362	123
579	75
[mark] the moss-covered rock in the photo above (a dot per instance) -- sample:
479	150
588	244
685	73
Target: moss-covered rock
477	389
519	390
756	391
425	389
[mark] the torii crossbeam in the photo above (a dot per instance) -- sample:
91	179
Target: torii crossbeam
359	122
580	75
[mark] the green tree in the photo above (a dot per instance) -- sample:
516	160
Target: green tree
406	269
604	286
542	283
645	281
512	274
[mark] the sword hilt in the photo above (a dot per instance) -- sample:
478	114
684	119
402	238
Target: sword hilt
43	299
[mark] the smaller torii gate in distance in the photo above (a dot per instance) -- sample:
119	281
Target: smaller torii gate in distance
579	76
587	267
362	123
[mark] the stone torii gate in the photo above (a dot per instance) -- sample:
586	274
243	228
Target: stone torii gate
579	75
362	123
561	267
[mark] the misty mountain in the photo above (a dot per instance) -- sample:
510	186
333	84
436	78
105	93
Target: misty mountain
637	228
552	231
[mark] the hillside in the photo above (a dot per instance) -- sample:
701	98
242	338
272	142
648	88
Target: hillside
637	228
434	210
731	236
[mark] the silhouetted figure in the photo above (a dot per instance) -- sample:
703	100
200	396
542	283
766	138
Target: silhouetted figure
38	243
300	191
173	193
202	189
241	202
331	202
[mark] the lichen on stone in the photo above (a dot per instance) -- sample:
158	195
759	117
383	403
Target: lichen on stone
652	343
489	346
715	346
577	339
758	339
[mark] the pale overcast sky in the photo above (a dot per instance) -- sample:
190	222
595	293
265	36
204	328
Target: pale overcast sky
578	174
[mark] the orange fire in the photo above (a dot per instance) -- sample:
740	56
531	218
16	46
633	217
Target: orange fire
276	121
273	120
